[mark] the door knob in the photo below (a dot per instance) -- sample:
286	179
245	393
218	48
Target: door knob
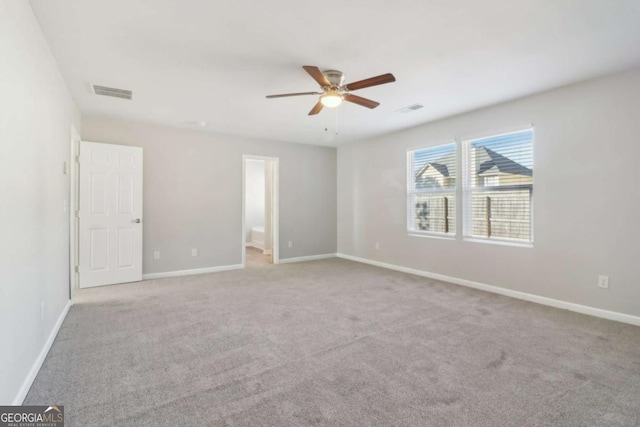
137	220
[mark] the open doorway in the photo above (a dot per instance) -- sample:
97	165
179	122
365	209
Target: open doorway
259	211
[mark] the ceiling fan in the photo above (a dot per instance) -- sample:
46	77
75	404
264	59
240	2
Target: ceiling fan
334	91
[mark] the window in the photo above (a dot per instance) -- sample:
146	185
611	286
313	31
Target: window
498	187
431	190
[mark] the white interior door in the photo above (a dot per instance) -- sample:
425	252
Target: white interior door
110	224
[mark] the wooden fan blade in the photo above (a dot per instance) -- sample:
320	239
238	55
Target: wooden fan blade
293	94
317	75
372	81
361	101
316	109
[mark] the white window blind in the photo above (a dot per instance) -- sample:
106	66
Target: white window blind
498	187
431	190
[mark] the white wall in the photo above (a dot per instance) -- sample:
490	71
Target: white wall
193	193
254	196
36	113
587	202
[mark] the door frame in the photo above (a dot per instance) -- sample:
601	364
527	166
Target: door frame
275	206
74	151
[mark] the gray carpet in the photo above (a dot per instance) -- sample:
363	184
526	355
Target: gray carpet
337	343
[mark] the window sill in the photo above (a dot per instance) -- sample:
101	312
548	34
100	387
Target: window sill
438	236
498	242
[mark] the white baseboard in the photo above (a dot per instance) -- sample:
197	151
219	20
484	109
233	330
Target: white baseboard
191	272
35	368
306	258
255	244
583	309
252	245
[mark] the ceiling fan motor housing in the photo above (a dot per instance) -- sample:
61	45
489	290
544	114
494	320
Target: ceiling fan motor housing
336	78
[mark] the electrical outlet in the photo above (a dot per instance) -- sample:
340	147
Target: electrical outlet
156	255
377	246
194	252
290	244
603	281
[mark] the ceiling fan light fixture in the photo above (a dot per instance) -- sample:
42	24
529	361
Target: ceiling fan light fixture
331	99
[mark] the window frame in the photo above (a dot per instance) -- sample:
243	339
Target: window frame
467	192
412	191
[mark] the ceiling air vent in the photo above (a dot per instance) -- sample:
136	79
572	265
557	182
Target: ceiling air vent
410	108
111	91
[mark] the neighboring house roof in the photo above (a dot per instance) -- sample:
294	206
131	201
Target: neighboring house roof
443	165
491	163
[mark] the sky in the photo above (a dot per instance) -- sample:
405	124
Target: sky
421	157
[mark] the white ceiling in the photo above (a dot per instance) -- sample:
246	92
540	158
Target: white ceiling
214	61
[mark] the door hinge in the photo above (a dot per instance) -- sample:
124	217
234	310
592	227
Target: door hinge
77	269
78	158
78	214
